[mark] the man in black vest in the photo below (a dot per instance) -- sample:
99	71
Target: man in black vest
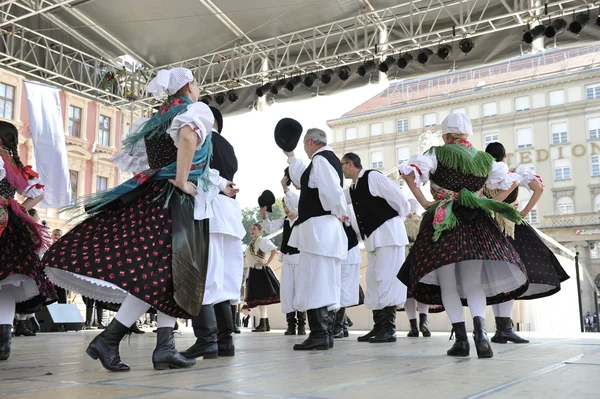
380	209
320	237
215	324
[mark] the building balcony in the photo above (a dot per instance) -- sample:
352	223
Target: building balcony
575	220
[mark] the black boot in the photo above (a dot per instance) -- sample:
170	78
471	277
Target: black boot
301	323
5	336
423	325
262	326
338	329
236	319
135	329
376	327
461	344
505	333
23	329
267	324
318	339
346	318
484	349
291	322
106	347
330	326
348	321
388	326
225	326
205	330
414	331
165	355
35	326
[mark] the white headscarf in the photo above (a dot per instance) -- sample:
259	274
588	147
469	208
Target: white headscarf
170	81
458	123
291	201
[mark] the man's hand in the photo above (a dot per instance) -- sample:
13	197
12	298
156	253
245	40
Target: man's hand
263	212
230	189
284	182
343	219
187	187
289	154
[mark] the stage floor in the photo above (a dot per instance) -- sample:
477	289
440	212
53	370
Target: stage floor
265	366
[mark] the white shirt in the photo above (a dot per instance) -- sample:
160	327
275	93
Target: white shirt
322	235
392	232
353	257
271	226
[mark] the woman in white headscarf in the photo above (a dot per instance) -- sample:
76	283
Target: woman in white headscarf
460	253
145	243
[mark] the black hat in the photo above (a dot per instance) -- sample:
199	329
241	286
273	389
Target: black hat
218	118
245	307
267	198
287	134
286	173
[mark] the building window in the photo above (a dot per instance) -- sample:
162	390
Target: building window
524	138
489	110
557	97
532	216
597	203
74	126
376	129
101	183
562	169
491	138
592	92
594	128
7	101
522	104
559	133
594	250
376	159
564	206
403	154
351	133
459	111
402	125
74	177
596	165
104	130
429	120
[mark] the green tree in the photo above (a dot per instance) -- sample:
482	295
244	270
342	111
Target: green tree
252	215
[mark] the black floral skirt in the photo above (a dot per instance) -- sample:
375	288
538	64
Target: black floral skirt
262	287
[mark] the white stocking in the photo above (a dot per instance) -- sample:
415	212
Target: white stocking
473	290
450	298
503	309
21	317
7	305
162	320
423	309
411	308
131	310
262	310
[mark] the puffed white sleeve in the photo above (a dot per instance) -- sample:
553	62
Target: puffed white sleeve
500	178
331	193
34	189
134	160
297	168
198	117
2	170
271	226
266	245
422	165
527	176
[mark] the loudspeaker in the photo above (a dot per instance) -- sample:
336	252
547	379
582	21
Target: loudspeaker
56	316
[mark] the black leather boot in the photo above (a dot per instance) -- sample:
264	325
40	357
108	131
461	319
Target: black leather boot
338	328
423	325
225	327
461	344
348	321
330	326
345	332
376	327
414	331
205	330
236	319
388	326
301	323
267	324
318	339
484	349
505	332
5	336
35	326
291	322
165	355
105	347
23	329
262	326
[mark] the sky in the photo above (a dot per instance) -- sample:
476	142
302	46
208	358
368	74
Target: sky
260	162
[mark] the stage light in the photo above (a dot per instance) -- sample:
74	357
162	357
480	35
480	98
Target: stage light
344	73
232	96
310	79
404	61
278	86
206	99
293	82
424	56
579	23
466	45
326	76
365	68
555	28
387	64
264	89
220	98
534	34
444	51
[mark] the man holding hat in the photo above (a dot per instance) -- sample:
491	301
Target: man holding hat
318	232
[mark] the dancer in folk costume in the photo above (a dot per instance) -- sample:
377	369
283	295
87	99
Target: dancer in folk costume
145	243
23	284
544	270
460	253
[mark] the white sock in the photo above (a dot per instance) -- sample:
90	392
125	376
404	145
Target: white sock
450	297
423	308
503	309
411	308
7	305
31	316
162	320
473	290
263	312
131	310
21	317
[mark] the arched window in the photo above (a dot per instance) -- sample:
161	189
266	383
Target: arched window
564	206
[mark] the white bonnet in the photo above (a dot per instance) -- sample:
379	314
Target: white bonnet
458	123
169	81
291	201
